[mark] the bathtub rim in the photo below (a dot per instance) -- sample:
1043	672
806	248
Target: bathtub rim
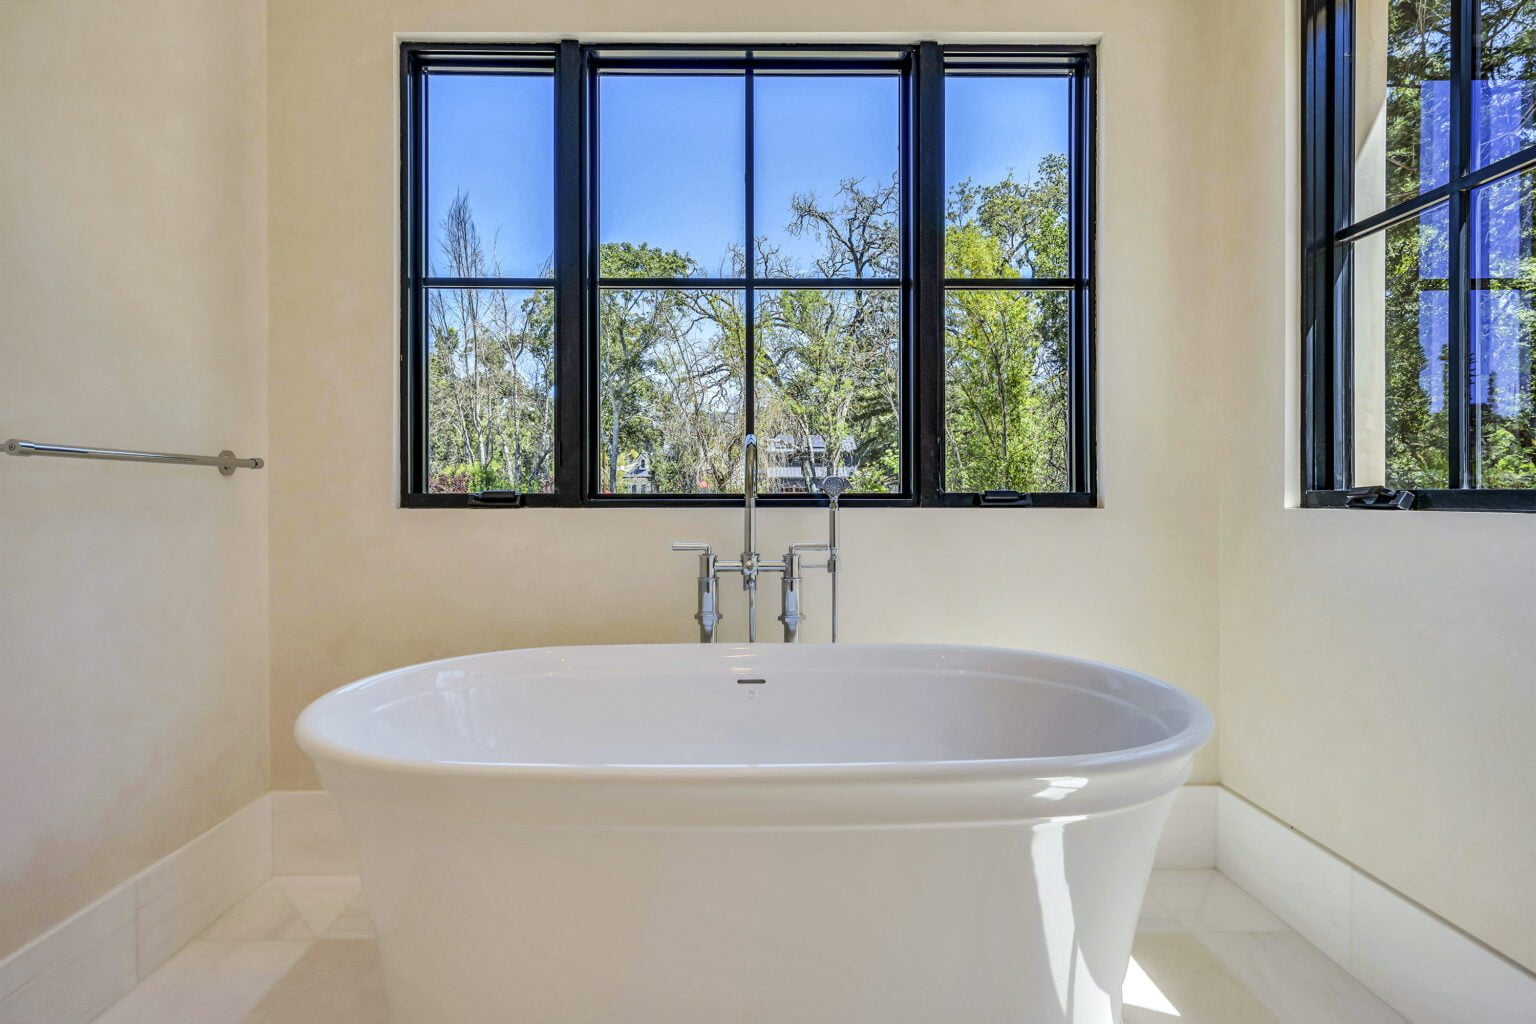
1182	744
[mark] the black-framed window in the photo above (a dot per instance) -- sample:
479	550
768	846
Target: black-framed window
1419	254
619	260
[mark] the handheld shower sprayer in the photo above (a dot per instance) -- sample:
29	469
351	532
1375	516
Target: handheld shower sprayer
833	487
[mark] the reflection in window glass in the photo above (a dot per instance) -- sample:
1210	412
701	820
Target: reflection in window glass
671	169
828	196
828	391
1006	176
491	178
490	390
670	369
1503	317
1401	330
1006	402
1402	100
1504	85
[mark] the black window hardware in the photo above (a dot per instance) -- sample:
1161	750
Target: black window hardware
1379	498
496	499
1007	498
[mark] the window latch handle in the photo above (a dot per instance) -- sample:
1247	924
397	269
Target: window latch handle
1378	498
496	499
1007	498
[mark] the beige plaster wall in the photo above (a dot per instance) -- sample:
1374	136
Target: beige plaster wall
1376	680
133	648
359	585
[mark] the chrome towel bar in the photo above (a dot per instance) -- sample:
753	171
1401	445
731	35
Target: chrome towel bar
225	461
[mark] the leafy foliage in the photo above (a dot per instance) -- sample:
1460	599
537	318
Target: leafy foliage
1006	351
827	370
490	375
1415	304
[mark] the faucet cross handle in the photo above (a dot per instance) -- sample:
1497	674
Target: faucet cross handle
795	549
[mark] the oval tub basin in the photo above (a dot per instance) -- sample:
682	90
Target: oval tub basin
763	834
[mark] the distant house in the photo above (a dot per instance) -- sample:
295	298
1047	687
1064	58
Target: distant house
795	466
636	477
788	466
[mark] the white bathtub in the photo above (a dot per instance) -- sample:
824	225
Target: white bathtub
809	834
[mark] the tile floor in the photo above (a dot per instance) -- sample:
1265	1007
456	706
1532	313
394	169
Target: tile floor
300	950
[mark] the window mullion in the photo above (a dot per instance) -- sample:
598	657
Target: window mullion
413	376
1460	469
1080	221
749	259
1340	259
571	341
1326	395
1458	411
928	271
1409	209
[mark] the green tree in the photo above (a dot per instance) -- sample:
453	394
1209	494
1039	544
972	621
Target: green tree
490	373
1416	310
671	361
1006	352
828	360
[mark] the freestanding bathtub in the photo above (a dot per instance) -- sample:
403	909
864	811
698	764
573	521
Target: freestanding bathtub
773	834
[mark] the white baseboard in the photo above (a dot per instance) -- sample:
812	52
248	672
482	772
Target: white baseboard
1426	969
72	972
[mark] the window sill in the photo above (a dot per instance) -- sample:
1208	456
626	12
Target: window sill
1438	500
1069	499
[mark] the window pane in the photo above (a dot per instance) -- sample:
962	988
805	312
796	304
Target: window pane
490	180
1503	318
1504	89
1006	176
1401	323
1402	100
1006	400
670	371
828	388
828	199
672	174
490	390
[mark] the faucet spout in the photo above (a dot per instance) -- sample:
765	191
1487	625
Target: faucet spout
749	524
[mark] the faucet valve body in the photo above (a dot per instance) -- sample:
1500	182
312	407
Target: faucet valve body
789	586
709	599
708	615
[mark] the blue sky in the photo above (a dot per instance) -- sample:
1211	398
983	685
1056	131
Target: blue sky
672	163
672	171
491	136
994	125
